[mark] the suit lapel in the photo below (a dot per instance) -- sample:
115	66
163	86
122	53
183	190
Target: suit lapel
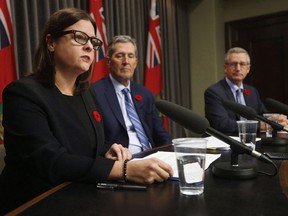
112	101
137	100
94	115
228	91
248	99
229	94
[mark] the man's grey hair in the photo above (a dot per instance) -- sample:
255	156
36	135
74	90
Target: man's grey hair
236	50
120	39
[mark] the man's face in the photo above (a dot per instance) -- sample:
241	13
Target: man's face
237	67
123	62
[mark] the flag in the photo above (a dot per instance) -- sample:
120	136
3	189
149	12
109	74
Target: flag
7	61
153	78
100	69
153	75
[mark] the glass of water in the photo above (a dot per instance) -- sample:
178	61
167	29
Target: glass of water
191	156
247	132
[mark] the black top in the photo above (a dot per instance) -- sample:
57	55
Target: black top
48	141
77	104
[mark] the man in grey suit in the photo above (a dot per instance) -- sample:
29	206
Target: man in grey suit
236	68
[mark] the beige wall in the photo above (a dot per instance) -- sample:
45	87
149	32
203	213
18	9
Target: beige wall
206	25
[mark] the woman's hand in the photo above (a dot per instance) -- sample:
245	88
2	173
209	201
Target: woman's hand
147	171
118	152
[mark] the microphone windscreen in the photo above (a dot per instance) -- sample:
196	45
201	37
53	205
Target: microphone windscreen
276	106
242	110
183	116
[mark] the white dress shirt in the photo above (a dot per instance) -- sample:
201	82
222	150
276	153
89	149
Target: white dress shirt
134	143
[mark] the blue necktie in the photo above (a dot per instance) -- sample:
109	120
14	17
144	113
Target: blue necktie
239	99
238	96
133	116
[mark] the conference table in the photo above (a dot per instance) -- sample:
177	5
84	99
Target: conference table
264	195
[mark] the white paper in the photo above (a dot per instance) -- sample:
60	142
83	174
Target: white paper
193	173
214	143
170	158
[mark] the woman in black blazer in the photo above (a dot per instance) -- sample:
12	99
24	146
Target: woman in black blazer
53	128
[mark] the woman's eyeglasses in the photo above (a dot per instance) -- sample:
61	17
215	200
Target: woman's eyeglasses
82	38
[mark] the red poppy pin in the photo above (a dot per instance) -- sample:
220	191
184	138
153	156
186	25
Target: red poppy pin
97	116
138	97
247	92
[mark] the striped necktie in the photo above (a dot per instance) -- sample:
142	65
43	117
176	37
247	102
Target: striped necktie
133	116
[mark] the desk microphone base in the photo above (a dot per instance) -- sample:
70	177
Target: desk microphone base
274	141
226	170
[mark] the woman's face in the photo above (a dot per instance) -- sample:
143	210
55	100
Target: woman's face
70	57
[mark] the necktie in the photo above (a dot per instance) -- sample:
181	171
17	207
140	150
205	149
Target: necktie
133	116
239	97
239	100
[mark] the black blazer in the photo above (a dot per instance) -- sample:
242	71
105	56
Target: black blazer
223	119
46	142
114	125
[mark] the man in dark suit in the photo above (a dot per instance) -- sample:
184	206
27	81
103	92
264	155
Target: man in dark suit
119	128
236	68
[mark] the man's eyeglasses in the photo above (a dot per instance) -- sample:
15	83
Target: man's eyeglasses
235	64
82	38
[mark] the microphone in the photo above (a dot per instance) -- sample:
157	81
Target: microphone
200	125
277	106
249	113
183	116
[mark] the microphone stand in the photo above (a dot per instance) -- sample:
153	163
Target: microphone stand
234	170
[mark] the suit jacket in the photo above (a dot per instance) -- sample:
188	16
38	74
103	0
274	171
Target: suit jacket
47	142
114	125
223	119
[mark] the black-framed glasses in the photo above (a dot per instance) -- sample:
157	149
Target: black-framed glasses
235	64
82	38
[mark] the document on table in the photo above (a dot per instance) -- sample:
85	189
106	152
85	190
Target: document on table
216	144
170	158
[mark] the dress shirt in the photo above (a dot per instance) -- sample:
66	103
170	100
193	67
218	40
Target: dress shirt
134	143
234	89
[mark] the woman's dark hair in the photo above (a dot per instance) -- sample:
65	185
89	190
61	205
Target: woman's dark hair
43	67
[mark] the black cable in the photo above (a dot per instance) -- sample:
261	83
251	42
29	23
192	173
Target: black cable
275	168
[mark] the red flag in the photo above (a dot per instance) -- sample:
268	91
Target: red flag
153	79
100	69
7	61
153	76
